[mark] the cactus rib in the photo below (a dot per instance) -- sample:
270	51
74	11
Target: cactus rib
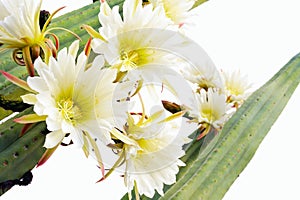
10	131
23	154
246	129
211	175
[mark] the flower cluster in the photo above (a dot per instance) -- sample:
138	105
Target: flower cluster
132	99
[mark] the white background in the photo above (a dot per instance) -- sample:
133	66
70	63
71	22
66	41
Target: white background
257	37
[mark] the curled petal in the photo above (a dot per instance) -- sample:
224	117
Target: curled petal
56	40
50	18
52	47
18	57
47	52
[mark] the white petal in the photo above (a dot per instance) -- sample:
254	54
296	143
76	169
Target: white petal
129	8
46	99
100	131
77	137
39	108
53	139
37	83
39	65
66	126
53	124
3	11
73	49
29	99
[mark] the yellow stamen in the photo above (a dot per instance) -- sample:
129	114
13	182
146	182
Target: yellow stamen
69	110
129	60
208	113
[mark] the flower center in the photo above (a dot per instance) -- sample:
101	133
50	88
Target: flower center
208	113
69	110
205	84
129	60
149	145
235	90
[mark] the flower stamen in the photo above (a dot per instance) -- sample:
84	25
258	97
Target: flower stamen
129	60
69	111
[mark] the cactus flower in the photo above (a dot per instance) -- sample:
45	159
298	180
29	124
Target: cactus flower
151	148
211	110
66	95
237	87
20	29
135	41
19	23
177	10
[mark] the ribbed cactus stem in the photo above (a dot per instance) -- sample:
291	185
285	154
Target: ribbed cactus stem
18	155
210	171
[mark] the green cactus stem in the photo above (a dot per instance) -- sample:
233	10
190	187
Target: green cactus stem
19	154
210	171
23	154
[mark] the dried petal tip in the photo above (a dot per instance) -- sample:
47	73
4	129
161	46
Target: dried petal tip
44	16
171	106
101	179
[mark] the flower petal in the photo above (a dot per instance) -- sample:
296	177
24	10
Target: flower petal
30	118
73	49
29	99
15	80
53	139
48	153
